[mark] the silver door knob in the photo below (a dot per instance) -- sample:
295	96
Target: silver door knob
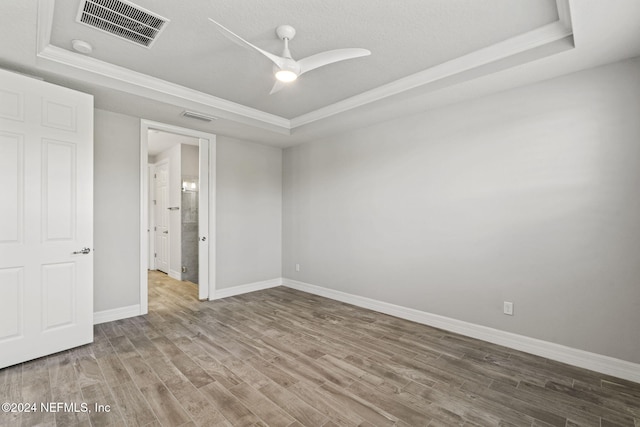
166	232
83	251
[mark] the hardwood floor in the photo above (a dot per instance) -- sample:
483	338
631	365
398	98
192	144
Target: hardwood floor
281	357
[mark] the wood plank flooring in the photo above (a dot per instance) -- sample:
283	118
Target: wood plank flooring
281	357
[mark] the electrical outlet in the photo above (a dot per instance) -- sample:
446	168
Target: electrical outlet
297	267
508	308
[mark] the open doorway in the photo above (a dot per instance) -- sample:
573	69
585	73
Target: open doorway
177	200
174	183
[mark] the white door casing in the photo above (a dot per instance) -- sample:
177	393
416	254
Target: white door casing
203	221
150	217
207	277
46	218
161	215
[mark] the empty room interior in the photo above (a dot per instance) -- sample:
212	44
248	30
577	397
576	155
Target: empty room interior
336	213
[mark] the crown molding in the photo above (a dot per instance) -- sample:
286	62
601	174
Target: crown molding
492	54
85	68
44	23
564	14
94	71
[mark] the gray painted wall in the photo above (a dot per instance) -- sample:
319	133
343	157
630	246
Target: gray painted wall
116	210
530	196
189	156
249	212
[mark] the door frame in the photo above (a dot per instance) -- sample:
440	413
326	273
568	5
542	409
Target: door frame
145	126
151	265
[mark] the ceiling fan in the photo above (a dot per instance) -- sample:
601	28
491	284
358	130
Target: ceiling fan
287	69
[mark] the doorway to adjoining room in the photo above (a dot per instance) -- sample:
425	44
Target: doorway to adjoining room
173	204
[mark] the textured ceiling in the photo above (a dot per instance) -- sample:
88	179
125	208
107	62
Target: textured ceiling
601	32
405	37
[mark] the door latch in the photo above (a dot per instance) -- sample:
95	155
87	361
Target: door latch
83	251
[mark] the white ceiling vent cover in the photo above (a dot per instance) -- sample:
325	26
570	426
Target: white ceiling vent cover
122	19
198	116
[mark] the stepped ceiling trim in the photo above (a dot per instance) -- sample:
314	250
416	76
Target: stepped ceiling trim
84	68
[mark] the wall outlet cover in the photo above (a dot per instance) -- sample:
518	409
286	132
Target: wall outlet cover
508	308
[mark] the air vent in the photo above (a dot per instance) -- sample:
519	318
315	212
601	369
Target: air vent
198	116
122	19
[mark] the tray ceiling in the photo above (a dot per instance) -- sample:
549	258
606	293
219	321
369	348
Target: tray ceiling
405	38
523	45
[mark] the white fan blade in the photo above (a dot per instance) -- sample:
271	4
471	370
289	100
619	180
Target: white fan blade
329	57
242	42
277	86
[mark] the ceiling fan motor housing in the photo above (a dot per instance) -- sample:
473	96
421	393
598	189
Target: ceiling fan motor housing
286	32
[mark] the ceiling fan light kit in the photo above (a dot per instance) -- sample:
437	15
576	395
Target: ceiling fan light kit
286	76
285	68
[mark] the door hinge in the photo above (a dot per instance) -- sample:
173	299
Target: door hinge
155	255
154	202
155	228
155	176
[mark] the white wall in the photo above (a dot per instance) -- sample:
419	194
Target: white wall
173	156
189	155
116	210
249	212
530	196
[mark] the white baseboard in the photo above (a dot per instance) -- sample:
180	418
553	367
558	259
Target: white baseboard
175	275
116	314
243	289
580	358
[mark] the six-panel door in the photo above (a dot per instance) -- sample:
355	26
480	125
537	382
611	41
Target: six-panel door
46	218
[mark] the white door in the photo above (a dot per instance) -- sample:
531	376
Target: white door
161	209
46	218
